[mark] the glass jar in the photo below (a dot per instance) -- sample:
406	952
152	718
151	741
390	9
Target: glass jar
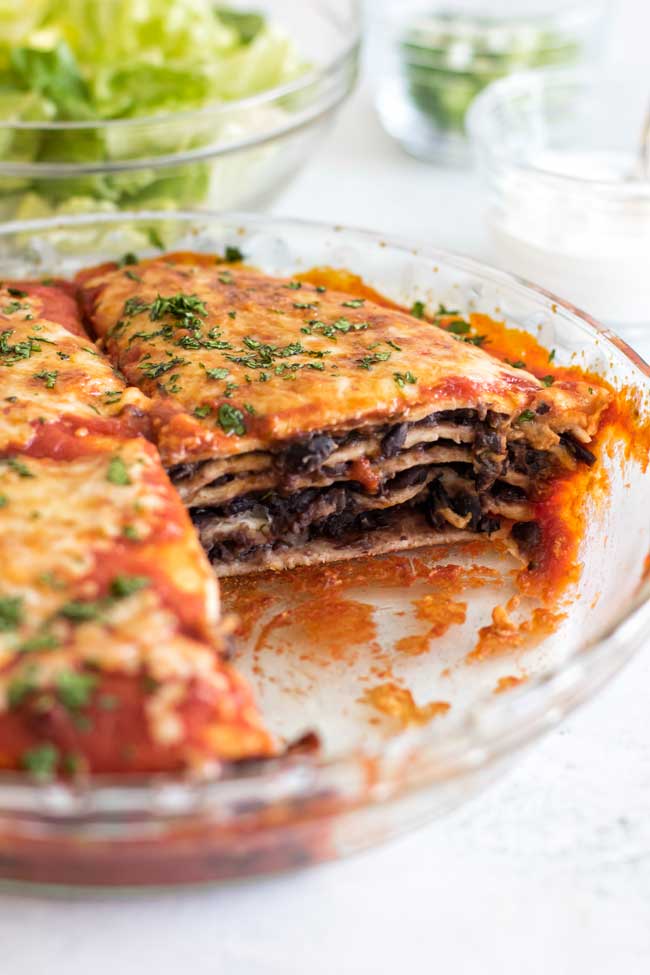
568	206
436	57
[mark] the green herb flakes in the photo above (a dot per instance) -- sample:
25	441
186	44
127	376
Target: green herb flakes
49	378
11	613
123	585
75	689
404	378
231	420
117	472
41	761
18	467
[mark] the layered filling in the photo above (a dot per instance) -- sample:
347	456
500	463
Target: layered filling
452	474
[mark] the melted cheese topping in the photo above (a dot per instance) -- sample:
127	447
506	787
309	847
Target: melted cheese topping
257	360
290	361
47	373
103	575
62	527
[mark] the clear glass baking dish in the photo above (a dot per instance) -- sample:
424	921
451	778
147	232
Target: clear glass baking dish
371	781
232	154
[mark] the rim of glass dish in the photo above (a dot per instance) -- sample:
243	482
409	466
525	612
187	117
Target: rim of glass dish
215	108
295	123
541	79
522	715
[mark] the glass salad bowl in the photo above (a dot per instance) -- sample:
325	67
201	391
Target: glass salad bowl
375	775
238	151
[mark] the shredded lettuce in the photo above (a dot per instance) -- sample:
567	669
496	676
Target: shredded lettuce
86	60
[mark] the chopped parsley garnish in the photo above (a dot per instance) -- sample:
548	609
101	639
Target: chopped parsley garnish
232	314
49	378
133	276
231	420
123	586
63	355
304	305
134	306
263	355
79	611
20	686
117	472
202	411
293	285
475	339
551	355
152	370
218	373
11	613
402	378
226	278
394	345
250	409
548	380
516	364
71	763
21	350
370	360
40	641
17	293
131	532
41	761
321	289
18	467
354	303
74	689
4	500
458	327
232	255
343	325
179	306
526	416
112	395
13	307
128	258
418	309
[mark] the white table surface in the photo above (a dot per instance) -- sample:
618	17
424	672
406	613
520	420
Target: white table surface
548	872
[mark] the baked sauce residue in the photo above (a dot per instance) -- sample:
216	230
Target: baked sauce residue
504	635
439	608
332	624
397	703
509	683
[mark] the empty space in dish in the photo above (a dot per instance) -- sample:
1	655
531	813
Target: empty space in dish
364	649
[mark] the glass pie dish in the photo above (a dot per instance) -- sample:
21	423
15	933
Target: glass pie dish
375	775
237	152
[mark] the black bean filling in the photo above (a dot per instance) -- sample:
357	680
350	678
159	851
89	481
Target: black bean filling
292	518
